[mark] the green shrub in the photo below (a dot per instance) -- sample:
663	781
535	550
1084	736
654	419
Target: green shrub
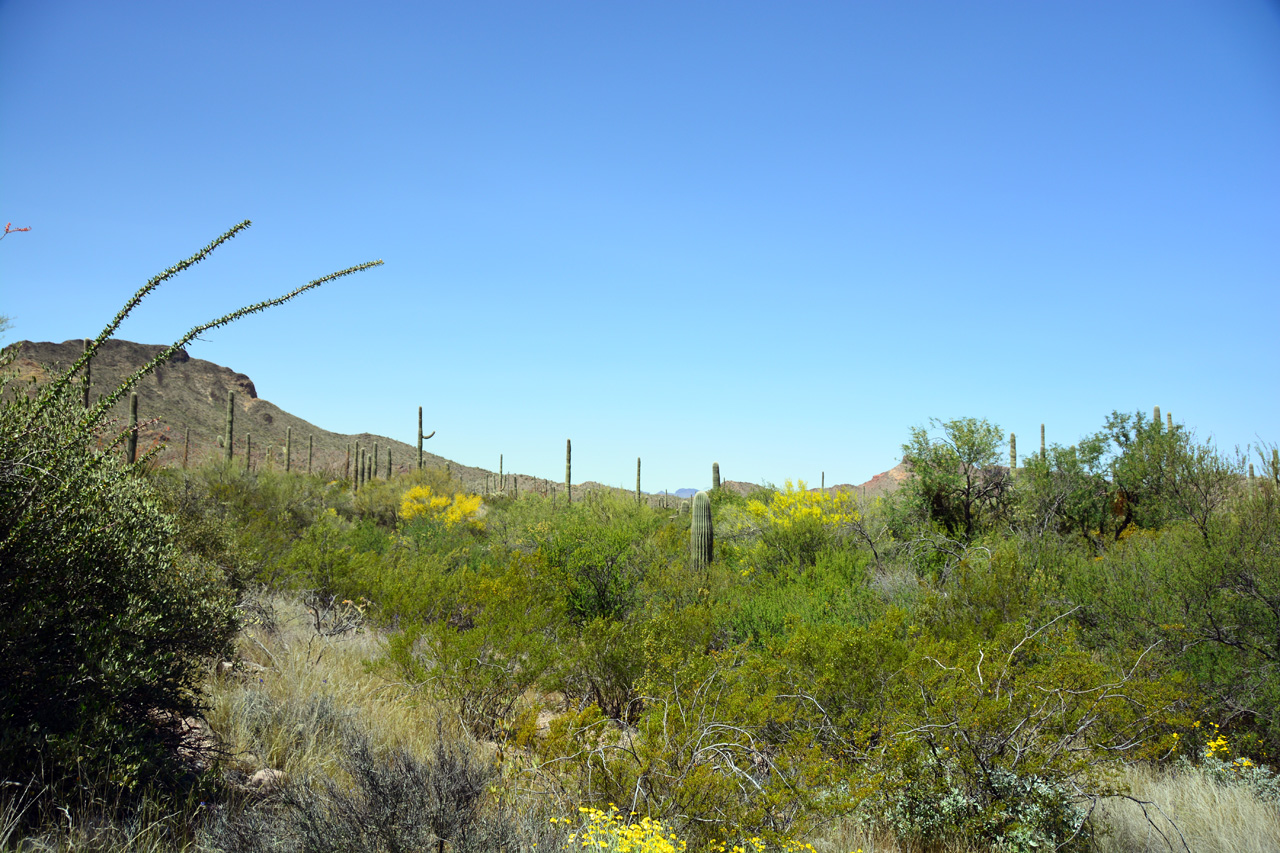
107	622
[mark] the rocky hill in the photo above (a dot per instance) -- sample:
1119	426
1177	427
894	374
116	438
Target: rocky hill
183	407
183	404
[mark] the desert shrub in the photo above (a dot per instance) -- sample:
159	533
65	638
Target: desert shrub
836	590
266	510
395	801
107	622
703	756
1011	739
598	553
790	528
498	642
601	666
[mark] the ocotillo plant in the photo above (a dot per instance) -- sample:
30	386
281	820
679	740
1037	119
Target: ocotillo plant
715	475
288	448
701	533
568	471
131	446
231	423
1013	453
84	380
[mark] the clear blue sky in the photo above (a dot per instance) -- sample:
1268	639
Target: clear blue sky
776	235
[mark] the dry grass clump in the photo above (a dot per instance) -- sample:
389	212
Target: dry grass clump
304	675
1195	813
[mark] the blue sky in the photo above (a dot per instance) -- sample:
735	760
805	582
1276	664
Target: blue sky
773	235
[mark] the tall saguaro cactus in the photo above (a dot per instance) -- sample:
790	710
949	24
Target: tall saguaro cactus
131	447
1013	453
231	423
374	461
701	533
1042	454
310	447
186	446
715	475
637	479
288	448
568	471
1155	418
248	452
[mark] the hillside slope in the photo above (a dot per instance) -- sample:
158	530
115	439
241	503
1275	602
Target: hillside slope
191	394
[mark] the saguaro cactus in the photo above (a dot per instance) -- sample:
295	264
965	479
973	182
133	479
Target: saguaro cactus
131	446
568	471
288	448
715	475
231	424
374	461
1155	418
701	533
388	463
248	451
1013	453
637	479
186	446
310	447
1042	455
1275	464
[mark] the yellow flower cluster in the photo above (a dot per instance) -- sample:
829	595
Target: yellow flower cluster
1221	750
795	504
607	831
451	509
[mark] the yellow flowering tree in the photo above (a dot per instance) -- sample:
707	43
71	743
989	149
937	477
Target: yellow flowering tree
451	510
795	525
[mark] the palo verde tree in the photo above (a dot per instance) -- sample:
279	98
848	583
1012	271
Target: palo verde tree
106	622
957	481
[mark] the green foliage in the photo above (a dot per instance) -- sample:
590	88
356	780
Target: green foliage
597	554
835	591
956	479
107	621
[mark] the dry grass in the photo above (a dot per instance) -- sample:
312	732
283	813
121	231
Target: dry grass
1195	813
286	715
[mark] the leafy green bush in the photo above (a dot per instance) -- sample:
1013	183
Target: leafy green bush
107	622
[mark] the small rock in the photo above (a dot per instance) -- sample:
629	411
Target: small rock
266	779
